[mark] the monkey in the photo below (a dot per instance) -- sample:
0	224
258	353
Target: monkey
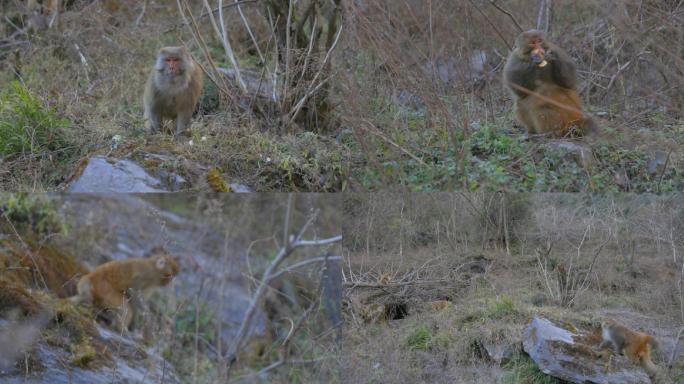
118	285
635	345
384	279
542	80
173	89
439	305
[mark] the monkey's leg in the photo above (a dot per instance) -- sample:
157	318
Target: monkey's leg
547	119
142	318
123	309
153	121
182	122
523	114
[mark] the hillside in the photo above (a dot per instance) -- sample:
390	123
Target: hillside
337	96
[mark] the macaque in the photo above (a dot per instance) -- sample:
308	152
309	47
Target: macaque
542	80
120	285
635	345
439	305
172	90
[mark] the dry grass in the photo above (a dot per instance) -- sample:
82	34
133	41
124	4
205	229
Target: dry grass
415	102
495	293
91	69
430	113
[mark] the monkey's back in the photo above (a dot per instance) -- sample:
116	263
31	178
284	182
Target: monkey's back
120	275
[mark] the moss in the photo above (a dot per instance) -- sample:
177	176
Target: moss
216	181
83	354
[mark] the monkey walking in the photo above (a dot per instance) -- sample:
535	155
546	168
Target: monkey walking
633	344
120	285
172	90
542	80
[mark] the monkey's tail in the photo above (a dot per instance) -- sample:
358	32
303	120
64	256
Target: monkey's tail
656	375
589	127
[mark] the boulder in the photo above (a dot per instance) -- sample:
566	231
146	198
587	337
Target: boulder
570	354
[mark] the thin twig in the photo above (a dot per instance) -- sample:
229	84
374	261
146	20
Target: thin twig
510	15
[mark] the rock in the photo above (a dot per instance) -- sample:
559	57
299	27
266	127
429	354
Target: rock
500	353
128	365
125	226
111	175
239	188
579	153
569	355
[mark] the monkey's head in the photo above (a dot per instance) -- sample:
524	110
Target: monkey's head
171	61
532	44
166	266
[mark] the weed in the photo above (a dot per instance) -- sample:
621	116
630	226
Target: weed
27	127
420	339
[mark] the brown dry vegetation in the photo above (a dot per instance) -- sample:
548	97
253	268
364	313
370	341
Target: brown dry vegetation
410	98
488	254
427	97
89	71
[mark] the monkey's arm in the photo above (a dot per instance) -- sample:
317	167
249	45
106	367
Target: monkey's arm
519	73
562	68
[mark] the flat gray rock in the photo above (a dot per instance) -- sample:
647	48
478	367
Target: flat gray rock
103	175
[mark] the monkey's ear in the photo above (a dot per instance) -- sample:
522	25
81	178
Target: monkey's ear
156	250
160	263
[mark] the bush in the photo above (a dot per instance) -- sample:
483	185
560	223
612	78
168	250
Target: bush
420	339
27	126
31	213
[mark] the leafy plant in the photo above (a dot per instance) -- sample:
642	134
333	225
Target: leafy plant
26	125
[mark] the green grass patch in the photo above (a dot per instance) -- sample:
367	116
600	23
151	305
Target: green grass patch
32	213
501	307
500	160
523	371
26	125
420	339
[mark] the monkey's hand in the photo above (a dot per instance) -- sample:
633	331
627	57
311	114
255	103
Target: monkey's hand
551	55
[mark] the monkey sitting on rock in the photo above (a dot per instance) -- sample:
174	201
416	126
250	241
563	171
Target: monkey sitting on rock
633	344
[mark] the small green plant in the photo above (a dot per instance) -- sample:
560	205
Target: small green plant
26	125
501	307
192	319
32	213
420	339
523	370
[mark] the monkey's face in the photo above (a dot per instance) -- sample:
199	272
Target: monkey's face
167	267
171	61
532	44
537	51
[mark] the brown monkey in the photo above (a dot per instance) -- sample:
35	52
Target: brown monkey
172	90
384	279
635	345
542	80
439	305
118	285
